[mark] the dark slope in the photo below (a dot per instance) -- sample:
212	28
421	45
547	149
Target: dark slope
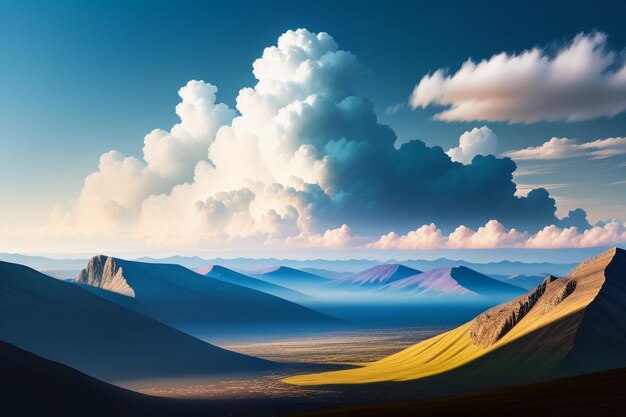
32	386
61	321
186	300
598	394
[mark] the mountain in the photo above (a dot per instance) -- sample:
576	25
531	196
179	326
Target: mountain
62	322
560	266
458	281
569	325
527	282
189	301
234	277
327	273
291	278
375	277
39	387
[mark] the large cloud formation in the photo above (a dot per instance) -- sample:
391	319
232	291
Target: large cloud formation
582	81
302	160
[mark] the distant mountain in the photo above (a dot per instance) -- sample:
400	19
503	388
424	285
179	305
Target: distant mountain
42	262
565	326
375	277
66	274
333	266
290	278
327	273
458	281
189	301
237	278
62	322
527	282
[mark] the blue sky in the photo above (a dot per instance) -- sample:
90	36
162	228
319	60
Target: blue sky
82	78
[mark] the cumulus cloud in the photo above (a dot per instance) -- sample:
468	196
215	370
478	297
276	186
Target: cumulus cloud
561	148
300	158
478	141
582	81
495	235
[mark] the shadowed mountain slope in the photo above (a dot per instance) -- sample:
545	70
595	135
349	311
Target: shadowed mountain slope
237	278
565	326
184	299
598	394
62	322
291	278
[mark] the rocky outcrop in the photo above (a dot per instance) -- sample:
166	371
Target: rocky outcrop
556	292
493	324
103	272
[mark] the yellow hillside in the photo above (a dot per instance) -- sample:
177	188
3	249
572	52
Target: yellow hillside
550	330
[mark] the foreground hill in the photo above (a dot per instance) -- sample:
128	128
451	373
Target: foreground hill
62	322
569	325
186	300
599	394
291	278
237	278
457	281
374	277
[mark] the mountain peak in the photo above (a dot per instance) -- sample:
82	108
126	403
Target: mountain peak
598	262
104	272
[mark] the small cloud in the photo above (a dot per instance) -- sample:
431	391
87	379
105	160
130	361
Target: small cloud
478	141
563	148
395	108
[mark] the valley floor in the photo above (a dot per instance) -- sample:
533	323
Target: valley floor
314	352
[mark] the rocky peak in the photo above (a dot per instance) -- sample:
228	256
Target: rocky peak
493	324
104	272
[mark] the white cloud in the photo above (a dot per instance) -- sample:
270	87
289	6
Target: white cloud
582	81
478	141
561	148
425	237
495	235
338	238
219	175
299	158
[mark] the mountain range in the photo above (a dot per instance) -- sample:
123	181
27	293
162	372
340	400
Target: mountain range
457	281
189	301
568	325
237	278
61	321
321	267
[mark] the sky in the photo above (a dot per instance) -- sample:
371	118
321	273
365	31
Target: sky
365	128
